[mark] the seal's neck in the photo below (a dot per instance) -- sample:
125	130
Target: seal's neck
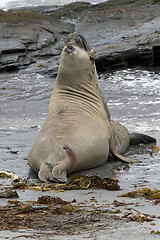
83	84
79	89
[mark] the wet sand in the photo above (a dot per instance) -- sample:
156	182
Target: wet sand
24	102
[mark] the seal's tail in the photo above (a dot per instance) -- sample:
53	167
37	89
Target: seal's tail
137	138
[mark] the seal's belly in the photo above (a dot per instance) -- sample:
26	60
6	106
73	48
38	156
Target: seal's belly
90	145
86	136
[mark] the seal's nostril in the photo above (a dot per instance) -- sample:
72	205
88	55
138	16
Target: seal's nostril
70	49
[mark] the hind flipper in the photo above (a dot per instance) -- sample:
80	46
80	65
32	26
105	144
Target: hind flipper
137	138
45	172
59	172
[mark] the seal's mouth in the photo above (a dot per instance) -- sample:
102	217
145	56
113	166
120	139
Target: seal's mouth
79	40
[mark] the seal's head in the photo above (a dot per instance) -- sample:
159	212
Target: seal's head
76	57
78	40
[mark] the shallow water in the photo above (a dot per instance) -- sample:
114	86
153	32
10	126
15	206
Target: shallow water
133	99
9	4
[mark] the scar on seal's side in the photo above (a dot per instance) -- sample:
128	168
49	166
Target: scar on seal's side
78	132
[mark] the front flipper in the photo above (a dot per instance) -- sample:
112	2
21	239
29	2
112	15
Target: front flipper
116	155
137	138
59	172
121	158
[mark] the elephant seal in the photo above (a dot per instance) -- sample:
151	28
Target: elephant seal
78	133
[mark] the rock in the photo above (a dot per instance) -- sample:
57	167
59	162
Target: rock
9	194
29	37
72	10
124	33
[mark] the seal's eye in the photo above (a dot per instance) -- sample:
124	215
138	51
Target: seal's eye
70	49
